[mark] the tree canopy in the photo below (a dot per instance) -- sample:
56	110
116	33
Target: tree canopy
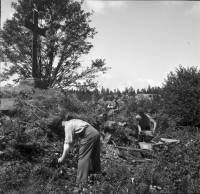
181	95
59	53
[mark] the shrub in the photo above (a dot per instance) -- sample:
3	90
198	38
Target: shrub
177	166
29	151
181	95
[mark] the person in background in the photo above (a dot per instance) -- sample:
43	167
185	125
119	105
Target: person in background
107	125
70	129
113	108
114	105
144	124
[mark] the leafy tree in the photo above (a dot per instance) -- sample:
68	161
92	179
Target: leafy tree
131	91
96	93
149	91
119	94
143	91
59	52
181	95
103	92
155	90
125	91
107	91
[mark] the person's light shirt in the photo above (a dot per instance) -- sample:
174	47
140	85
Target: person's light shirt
74	127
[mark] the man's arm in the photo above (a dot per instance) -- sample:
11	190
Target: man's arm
139	128
116	108
68	141
66	149
153	121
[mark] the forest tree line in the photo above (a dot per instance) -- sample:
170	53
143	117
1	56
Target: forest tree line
107	94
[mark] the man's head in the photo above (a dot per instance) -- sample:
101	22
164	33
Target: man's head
57	125
140	111
68	117
65	116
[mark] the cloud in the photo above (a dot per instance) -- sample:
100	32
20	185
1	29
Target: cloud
144	83
110	81
139	84
172	3
195	10
97	6
105	80
102	6
106	76
117	4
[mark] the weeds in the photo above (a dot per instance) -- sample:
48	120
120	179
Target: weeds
29	151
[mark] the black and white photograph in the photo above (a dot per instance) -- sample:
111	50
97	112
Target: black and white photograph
99	97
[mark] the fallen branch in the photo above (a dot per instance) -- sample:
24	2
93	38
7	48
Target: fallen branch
34	107
35	114
30	110
133	159
144	160
134	149
115	146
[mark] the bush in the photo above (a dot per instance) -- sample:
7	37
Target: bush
181	95
177	166
30	150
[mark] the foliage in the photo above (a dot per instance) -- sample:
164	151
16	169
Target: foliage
29	151
178	165
181	95
67	33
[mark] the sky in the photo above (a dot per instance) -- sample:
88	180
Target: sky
142	41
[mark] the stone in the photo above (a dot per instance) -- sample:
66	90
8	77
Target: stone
8	104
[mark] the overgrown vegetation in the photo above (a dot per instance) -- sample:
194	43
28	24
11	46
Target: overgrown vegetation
29	149
181	94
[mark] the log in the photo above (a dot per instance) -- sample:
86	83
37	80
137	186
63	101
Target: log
144	160
133	149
